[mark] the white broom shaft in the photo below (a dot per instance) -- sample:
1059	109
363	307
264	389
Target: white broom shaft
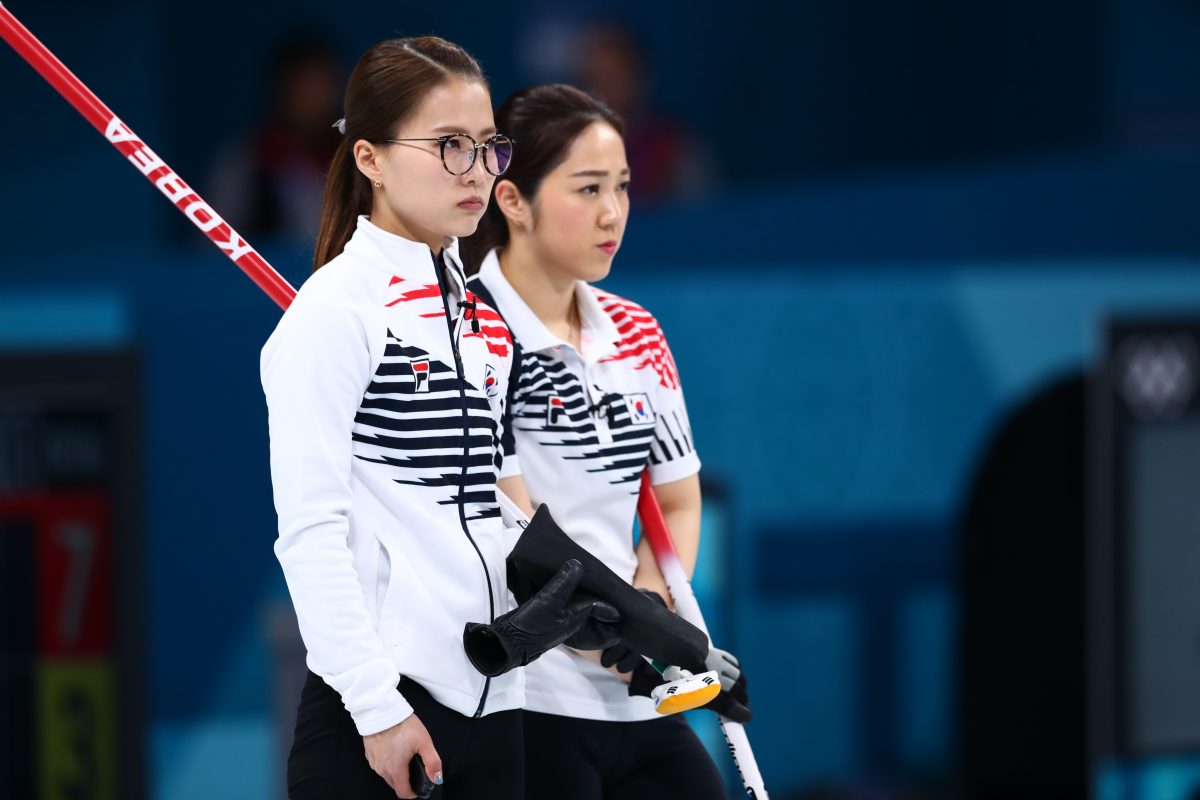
654	528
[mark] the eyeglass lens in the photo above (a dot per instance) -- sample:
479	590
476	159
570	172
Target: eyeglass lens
459	154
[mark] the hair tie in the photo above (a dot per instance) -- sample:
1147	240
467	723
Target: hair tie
340	125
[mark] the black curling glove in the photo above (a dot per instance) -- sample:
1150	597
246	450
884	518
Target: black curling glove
601	633
547	619
732	703
600	630
643	677
619	655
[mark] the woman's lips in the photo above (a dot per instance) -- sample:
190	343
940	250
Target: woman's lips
608	247
472	204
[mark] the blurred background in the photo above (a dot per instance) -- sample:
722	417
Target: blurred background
930	273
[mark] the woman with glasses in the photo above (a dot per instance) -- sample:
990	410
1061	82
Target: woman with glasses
596	400
386	385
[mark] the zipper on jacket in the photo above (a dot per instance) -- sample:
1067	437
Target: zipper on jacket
439	267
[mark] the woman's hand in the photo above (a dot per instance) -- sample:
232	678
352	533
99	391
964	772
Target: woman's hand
390	751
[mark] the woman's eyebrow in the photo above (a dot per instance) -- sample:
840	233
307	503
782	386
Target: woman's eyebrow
597	173
486	132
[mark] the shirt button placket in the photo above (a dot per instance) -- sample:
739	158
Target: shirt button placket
600	419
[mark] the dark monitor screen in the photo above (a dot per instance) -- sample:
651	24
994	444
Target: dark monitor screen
1162	550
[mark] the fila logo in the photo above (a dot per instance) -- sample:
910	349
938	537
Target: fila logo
640	412
554	410
490	386
420	368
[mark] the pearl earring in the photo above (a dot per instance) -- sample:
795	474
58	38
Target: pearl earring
378	184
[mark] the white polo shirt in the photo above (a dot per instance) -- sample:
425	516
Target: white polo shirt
585	425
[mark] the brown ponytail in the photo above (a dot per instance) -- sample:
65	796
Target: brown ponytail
544	121
387	85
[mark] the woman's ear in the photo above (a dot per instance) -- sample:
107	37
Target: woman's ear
366	158
512	205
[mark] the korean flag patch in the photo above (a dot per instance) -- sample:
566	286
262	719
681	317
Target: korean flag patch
640	412
420	369
490	385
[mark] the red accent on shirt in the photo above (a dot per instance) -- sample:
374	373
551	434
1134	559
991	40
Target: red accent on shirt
421	293
496	335
642	339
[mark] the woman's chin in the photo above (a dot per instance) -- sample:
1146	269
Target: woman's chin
596	272
464	227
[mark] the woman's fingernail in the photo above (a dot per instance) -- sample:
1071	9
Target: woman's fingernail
437	779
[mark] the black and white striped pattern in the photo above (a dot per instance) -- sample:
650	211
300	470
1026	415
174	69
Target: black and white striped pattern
672	438
418	435
620	461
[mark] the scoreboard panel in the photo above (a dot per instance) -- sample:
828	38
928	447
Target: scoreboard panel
70	631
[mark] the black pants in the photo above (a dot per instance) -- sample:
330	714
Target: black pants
583	759
481	758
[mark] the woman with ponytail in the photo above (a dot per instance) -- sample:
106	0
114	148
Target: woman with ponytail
386	389
595	402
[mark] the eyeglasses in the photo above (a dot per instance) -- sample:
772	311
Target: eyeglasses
459	151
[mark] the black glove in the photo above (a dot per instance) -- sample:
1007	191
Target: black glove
655	596
645	626
644	680
621	657
643	677
546	620
617	653
600	630
733	702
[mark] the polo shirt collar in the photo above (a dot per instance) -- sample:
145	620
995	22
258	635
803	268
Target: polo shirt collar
599	335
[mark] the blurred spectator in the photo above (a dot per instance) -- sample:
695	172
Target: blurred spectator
1023	663
270	182
666	160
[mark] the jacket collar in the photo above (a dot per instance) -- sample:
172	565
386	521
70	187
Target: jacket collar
599	334
405	258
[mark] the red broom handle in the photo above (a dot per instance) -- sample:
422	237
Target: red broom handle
181	195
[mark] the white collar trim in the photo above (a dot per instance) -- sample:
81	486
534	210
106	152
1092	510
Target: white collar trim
599	333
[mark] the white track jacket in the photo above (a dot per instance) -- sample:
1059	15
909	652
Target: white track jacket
385	423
